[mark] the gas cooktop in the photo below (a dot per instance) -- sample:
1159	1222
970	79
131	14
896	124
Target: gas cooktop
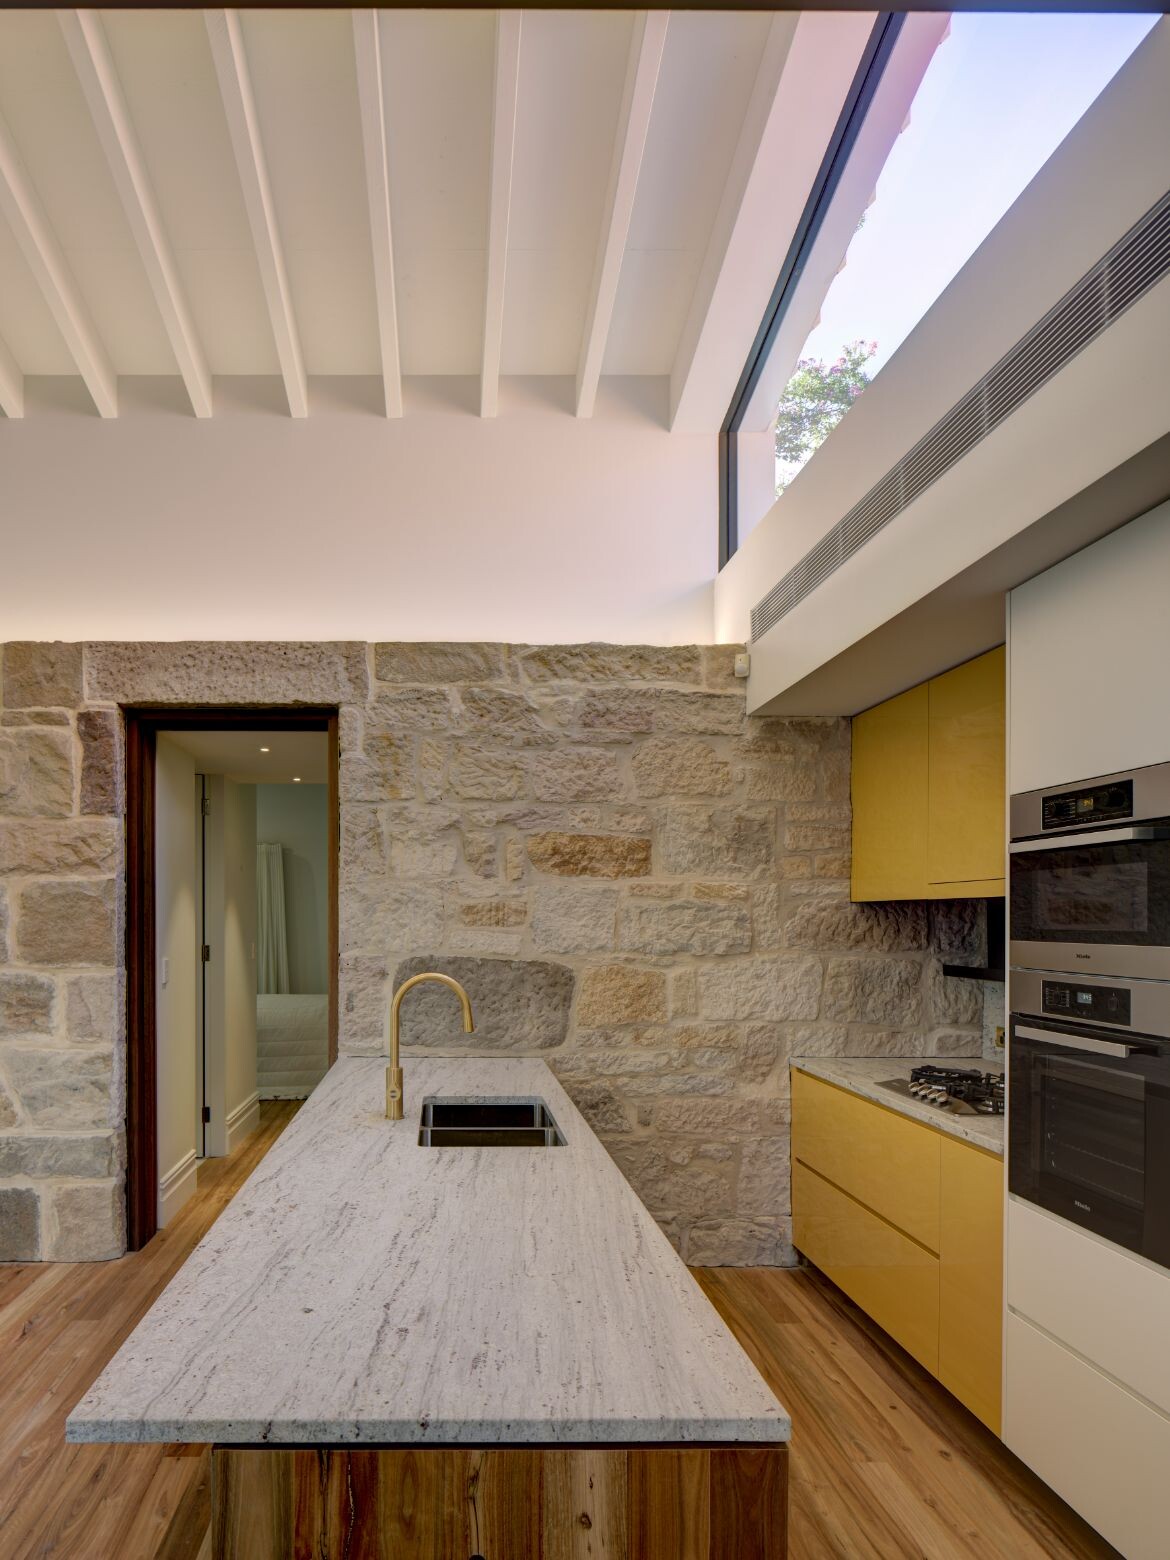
962	1090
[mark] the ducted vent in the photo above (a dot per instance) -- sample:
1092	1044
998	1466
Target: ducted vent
1129	270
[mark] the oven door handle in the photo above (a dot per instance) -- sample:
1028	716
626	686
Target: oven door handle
1101	837
1076	1042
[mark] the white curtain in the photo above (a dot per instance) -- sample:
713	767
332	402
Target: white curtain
271	931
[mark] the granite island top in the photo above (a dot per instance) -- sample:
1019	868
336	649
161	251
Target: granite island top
361	1288
864	1075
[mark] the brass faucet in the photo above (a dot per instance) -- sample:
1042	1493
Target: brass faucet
394	1071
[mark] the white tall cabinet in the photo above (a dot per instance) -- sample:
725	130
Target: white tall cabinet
1086	1374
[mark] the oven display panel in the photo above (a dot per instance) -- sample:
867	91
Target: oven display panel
1092	804
1106	1004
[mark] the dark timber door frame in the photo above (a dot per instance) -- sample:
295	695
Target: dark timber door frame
143	724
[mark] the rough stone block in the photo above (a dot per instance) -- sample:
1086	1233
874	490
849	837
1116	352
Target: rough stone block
680	766
381	770
835	924
36	773
519	1004
364	1002
621	994
573	775
761	1049
227	672
484	774
612	663
100	768
740	1243
91	1008
424	853
50	847
572	919
411	709
958	930
85	1155
69	922
499	710
873	991
764	1178
65	1089
9	1115
378	914
719	667
779	989
363	850
590	855
817	836
493	912
41	675
667	1185
710	926
481	854
662	710
439	663
684	993
724	841
26	1004
689	1116
954	1000
782	779
4	924
19	1224
84	1222
600	1106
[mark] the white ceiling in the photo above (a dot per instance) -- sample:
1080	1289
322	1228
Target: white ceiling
193	193
291	755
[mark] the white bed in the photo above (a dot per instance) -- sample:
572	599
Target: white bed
292	1044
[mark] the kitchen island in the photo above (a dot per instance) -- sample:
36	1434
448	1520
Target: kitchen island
403	1350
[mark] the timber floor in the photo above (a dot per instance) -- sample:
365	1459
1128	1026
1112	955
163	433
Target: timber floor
884	1462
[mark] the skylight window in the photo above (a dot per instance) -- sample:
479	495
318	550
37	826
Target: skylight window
998	97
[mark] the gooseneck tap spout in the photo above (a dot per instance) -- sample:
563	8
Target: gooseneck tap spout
394	1071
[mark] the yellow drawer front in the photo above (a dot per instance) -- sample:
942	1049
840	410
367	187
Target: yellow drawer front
889	790
888	1275
971	1279
887	1162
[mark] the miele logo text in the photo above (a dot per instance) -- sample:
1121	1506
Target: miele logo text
1077	1202
1084	955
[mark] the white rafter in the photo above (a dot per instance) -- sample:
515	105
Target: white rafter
633	127
371	100
38	243
503	146
235	87
11	384
86	40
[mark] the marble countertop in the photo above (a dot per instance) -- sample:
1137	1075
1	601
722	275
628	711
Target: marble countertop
864	1075
361	1288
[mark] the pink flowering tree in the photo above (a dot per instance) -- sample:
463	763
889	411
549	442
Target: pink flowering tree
814	401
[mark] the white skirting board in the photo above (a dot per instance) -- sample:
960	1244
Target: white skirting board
244	1119
176	1187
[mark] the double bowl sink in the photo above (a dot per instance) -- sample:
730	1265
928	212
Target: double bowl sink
523	1123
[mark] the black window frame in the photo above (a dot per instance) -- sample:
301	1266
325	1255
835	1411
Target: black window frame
862	90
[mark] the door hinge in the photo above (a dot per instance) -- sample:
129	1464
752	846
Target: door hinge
207	806
207	1113
207	953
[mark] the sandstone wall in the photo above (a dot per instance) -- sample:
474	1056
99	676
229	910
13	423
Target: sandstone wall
634	880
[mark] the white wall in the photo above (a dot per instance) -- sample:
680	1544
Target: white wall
177	921
1090	648
534	525
297	817
231	972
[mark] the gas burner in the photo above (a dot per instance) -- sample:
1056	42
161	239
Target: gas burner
958	1087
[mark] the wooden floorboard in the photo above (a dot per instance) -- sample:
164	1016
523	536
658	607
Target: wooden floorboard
885	1465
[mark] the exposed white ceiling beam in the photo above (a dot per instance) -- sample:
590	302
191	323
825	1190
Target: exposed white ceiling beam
503	146
235	87
86	40
806	68
11	384
38	243
368	57
633	126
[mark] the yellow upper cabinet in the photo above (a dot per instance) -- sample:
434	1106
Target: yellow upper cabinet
928	788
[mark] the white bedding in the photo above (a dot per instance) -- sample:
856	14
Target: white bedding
292	1044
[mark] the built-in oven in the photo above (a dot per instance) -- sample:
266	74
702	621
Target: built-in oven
1089	1104
1089	876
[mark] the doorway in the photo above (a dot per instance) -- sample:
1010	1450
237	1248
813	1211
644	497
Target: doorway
231	960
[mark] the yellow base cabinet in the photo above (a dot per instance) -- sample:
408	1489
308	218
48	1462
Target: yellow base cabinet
908	1221
928	788
970	1318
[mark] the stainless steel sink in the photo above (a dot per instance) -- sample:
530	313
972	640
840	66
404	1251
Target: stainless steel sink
526	1123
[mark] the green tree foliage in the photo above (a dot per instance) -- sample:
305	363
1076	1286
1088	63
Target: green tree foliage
814	401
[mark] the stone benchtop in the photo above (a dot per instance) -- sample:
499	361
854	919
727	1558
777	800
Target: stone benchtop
361	1288
864	1075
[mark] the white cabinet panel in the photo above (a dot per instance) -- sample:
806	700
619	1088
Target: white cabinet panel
1089	648
1112	1308
1099	1447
